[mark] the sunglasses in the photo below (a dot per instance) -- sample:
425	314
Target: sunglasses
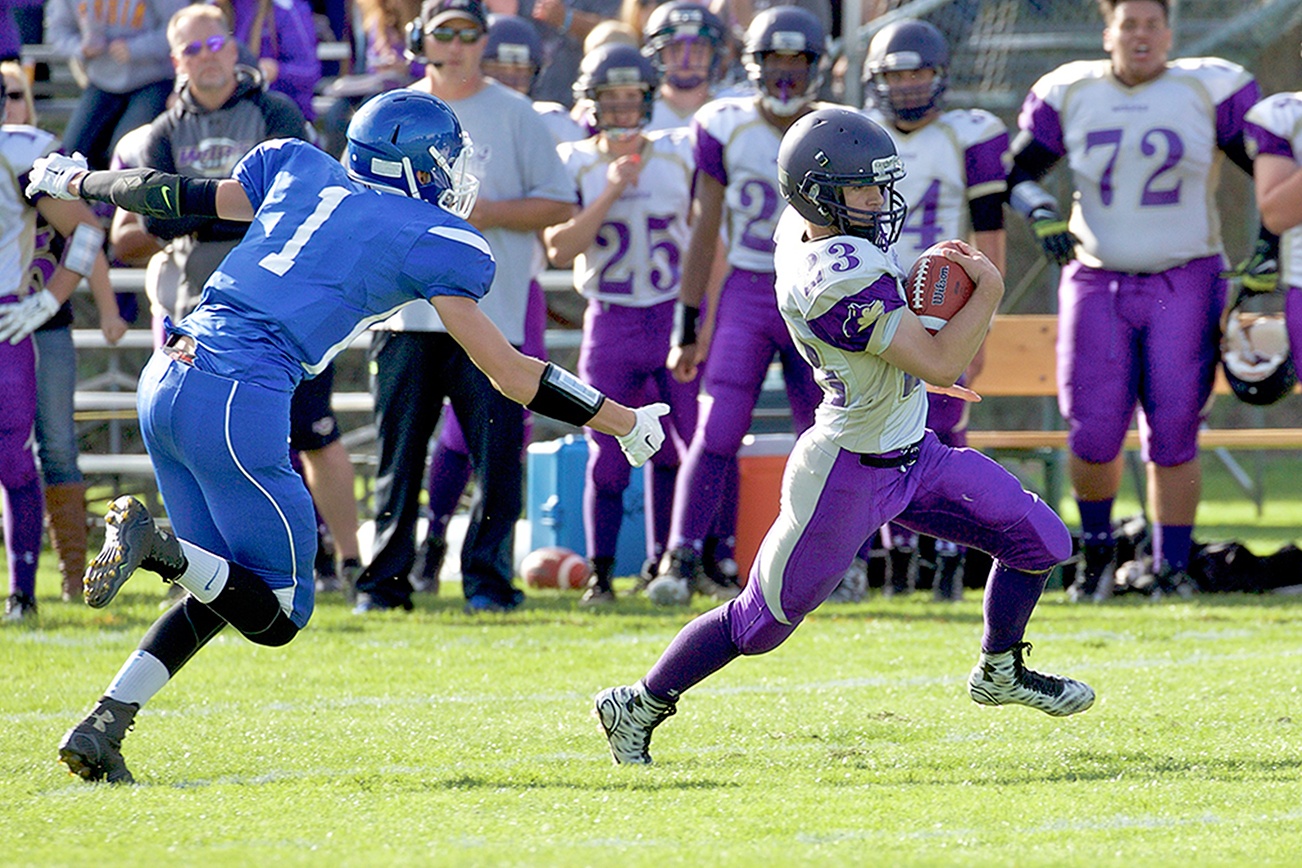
468	35
213	43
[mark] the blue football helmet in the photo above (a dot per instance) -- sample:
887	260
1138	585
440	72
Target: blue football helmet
614	65
411	143
513	41
906	45
679	21
785	30
831	149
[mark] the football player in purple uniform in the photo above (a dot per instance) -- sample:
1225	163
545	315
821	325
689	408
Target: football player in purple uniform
626	242
330	250
1141	291
736	143
956	188
1275	139
868	458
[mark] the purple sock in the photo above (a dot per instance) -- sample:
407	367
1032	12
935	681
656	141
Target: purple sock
1011	596
1171	543
1096	521
699	650
24	506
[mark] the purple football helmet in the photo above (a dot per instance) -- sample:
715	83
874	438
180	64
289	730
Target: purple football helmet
906	45
614	65
682	21
831	149
785	30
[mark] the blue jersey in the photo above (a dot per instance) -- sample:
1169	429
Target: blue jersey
324	258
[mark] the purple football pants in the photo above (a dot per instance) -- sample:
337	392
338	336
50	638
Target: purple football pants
1146	339
748	332
23	501
830	504
623	355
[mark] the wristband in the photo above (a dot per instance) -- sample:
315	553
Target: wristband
565	397
685	324
83	246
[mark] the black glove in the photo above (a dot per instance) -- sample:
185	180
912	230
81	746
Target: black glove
1054	236
1260	271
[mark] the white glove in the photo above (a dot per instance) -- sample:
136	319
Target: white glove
17	321
51	175
647	434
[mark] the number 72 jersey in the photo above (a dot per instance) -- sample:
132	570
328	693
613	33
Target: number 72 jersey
1144	159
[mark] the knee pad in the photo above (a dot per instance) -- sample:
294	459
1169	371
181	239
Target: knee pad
1038	542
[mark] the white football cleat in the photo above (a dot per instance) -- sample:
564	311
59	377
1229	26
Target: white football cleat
1002	679
628	715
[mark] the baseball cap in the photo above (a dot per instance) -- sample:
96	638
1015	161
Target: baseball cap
435	12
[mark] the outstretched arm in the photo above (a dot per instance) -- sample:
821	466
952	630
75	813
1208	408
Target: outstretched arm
144	191
546	389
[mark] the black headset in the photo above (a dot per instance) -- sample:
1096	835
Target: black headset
416	38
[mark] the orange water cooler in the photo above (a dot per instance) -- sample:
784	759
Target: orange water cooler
761	461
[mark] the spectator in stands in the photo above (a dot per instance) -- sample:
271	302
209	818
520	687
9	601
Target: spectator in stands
567	24
122	48
282	35
33	292
387	66
11	40
1141	291
56	370
956	185
1275	139
220	114
524	188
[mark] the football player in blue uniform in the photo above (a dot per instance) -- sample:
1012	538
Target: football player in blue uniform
330	250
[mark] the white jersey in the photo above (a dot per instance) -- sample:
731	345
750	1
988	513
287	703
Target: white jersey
19	148
1275	127
1145	160
960	156
636	260
739	149
842	301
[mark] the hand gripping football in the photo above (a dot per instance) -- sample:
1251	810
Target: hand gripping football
937	288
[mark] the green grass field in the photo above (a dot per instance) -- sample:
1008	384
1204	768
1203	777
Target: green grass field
439	738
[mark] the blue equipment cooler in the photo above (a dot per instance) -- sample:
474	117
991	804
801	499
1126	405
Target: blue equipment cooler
554	503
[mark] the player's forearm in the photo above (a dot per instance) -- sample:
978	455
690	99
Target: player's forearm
698	262
519	215
1281	204
149	192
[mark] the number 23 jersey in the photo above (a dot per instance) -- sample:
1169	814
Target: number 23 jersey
324	258
842	302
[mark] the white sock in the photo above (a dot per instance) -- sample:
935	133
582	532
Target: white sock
205	573
139	679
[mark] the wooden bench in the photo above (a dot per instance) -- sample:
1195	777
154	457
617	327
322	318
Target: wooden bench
1021	362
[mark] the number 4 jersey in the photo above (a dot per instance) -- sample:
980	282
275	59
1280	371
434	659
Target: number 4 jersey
324	258
1144	159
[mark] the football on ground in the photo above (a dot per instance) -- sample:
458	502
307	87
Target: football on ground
937	288
555	567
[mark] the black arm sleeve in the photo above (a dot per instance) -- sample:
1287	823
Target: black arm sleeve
153	193
1236	149
159	155
1031	161
987	212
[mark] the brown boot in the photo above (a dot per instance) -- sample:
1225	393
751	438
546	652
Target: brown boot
66	507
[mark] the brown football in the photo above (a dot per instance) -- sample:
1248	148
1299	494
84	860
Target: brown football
554	567
937	288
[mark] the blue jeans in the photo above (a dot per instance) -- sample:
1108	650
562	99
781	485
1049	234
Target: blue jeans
101	118
56	383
